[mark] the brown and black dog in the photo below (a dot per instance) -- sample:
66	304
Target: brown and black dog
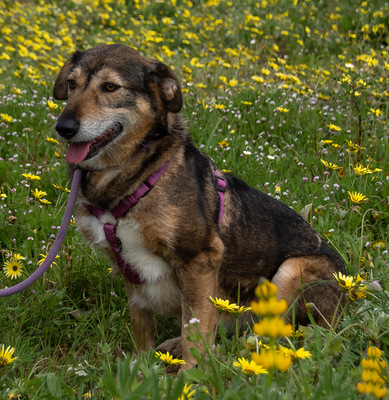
125	133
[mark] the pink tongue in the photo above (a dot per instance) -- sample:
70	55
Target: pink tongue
77	152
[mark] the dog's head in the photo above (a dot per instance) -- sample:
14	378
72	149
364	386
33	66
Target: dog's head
115	97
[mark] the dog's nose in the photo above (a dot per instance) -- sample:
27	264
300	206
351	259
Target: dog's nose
67	127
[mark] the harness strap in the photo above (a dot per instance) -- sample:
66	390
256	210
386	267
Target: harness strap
122	208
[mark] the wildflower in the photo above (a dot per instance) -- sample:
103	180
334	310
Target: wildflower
44	258
31	177
344	281
376	112
282	110
257	79
13	268
224	305
38	194
357	292
330	165
327	142
6	356
52	105
334	127
359	169
87	395
373	375
186	392
271	358
266	290
341	172
355	286
6	117
168	358
44	201
357	198
250	367
272	327
301	353
271	306
64	189
224	144
232	82
241	310
379	244
3	196
52	140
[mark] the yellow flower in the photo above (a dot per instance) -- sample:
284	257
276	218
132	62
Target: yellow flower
271	306
376	112
224	305
31	177
168	358
186	392
38	194
3	196
266	289
302	353
334	127
232	82
224	144
52	140
357	198
6	117
44	258
357	292
344	281
373	375
378	244
6	356
271	358
329	165
64	189
282	110
359	169
257	79
250	367
13	268
44	201
52	105
272	327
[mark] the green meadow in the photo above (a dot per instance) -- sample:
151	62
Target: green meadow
290	95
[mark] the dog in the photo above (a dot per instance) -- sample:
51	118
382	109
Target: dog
178	229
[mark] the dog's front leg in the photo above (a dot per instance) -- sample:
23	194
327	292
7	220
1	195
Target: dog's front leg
143	324
196	289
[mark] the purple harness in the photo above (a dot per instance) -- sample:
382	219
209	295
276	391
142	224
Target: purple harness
127	204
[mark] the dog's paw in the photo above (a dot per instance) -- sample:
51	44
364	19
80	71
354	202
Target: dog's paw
173	346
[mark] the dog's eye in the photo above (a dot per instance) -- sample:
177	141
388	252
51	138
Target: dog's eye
71	83
110	87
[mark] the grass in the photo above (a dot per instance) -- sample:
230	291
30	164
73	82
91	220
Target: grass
271	88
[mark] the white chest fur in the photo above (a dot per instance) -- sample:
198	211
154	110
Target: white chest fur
160	292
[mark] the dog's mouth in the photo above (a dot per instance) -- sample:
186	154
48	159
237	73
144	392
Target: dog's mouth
78	152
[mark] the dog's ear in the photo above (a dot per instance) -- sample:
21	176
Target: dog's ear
60	90
168	86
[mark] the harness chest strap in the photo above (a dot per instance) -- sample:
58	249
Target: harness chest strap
127	204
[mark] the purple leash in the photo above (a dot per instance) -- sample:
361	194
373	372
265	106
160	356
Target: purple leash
56	245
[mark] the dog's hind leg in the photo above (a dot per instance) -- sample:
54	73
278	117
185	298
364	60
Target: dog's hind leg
308	283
